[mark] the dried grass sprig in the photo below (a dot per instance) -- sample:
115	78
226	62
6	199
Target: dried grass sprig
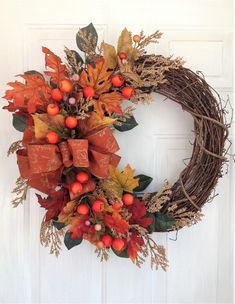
20	190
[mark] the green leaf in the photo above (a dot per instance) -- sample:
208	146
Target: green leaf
19	122
122	254
87	37
127	125
144	181
32	72
151	228
76	56
70	243
58	225
163	222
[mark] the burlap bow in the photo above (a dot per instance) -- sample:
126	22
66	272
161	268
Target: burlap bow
42	164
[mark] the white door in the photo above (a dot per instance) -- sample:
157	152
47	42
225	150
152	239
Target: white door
201	260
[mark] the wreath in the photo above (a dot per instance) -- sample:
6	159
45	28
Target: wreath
68	151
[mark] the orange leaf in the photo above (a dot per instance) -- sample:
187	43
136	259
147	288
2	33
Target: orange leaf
108	102
54	62
97	77
33	93
116	222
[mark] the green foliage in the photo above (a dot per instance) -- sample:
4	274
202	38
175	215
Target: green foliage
144	182
127	125
19	122
70	243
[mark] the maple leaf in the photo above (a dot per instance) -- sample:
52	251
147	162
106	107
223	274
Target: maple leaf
134	245
108	102
138	212
67	213
28	96
117	182
54	203
97	77
116	222
54	62
78	227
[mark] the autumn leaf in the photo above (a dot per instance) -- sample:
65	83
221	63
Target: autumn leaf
43	123
108	102
138	212
134	245
53	203
97	77
54	62
94	121
28	96
125	46
116	222
67	212
78	227
110	55
117	182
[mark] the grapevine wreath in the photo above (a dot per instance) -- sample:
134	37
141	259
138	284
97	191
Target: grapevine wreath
68	151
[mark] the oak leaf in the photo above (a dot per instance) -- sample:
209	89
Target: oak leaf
97	77
94	121
117	182
54	62
78	227
28	96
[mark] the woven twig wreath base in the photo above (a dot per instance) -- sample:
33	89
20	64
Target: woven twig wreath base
197	181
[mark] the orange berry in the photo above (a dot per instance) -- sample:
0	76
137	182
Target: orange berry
76	187
71	122
66	86
52	109
97	206
56	94
82	177
128	199
118	244
122	55
117	80
136	38
52	137
117	205
88	92
127	92
107	240
82	209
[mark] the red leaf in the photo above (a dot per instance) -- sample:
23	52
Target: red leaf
54	62
79	228
116	222
134	245
138	212
53	203
28	96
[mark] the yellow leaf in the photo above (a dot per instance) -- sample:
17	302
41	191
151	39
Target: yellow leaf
110	55
42	122
118	182
66	214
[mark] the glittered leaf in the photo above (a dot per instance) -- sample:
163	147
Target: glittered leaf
134	245
116	223
126	125
138	214
87	37
124	42
59	71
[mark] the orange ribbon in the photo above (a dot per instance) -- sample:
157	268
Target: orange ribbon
42	164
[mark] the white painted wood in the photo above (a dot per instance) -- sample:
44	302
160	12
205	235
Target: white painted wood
201	261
